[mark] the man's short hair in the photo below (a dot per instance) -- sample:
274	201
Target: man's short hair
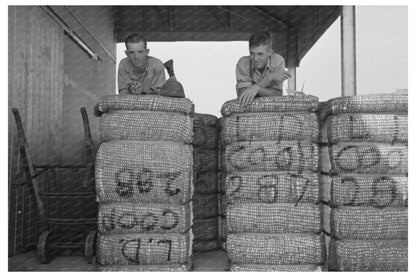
260	38
136	38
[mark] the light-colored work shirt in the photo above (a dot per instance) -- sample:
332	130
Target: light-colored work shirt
247	74
152	78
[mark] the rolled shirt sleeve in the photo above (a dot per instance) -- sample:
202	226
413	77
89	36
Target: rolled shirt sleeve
278	65
123	78
242	73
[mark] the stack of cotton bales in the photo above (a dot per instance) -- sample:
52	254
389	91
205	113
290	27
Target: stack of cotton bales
367	143
205	197
144	184
274	219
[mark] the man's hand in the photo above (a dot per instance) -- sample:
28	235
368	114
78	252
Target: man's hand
279	76
248	95
135	88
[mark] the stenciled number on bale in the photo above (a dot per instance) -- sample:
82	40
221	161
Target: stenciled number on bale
356	125
135	259
267	187
379	191
124	189
287	155
144	182
149	221
373	154
125	243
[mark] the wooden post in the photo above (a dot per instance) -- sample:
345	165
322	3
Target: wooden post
291	82
348	57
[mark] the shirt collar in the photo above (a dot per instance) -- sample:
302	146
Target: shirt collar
145	69
268	65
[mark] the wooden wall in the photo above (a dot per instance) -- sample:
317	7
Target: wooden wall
50	78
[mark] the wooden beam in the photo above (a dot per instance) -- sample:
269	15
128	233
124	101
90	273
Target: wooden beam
211	10
91	34
271	16
70	33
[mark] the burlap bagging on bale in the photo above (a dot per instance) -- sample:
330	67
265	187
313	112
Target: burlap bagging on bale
274	218
271	156
370	103
139	171
270	126
205	205
143	249
146	125
206	182
387	128
369	223
369	158
272	187
275	268
378	191
205	245
287	103
205	160
205	229
282	249
146	268
154	103
131	217
368	255
205	131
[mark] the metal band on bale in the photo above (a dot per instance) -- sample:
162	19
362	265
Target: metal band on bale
146	172
274	218
143	249
270	126
369	158
369	223
275	268
277	249
378	191
154	103
272	187
143	218
368	255
386	128
287	103
146	125
271	156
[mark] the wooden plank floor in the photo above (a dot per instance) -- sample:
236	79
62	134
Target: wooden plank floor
208	261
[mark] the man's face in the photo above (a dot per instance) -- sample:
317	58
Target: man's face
260	55
137	53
